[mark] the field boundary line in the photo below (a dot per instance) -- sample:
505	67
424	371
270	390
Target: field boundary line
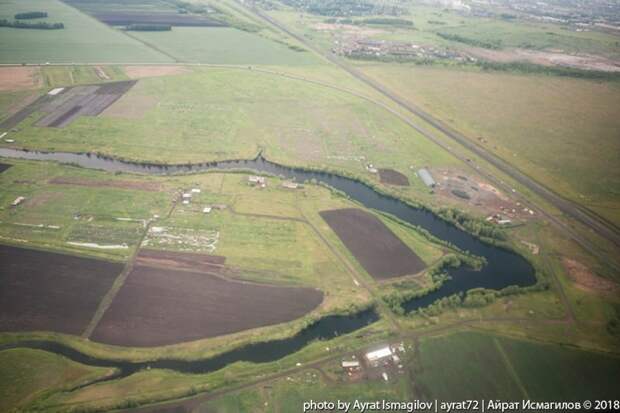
107	299
510	367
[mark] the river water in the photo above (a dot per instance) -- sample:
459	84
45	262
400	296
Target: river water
503	268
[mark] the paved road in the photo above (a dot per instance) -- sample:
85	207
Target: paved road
597	223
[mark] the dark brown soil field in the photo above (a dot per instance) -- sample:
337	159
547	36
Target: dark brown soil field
381	253
125	18
81	101
392	177
133	185
160	306
181	260
45	291
4	167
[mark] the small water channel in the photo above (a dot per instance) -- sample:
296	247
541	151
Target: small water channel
262	352
504	268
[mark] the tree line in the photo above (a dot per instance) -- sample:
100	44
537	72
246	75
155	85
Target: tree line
28	25
31	15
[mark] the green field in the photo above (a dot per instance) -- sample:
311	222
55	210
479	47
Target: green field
83	39
526	118
488	367
215	114
31	374
537	36
224	45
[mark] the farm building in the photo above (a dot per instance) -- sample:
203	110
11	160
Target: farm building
257	181
206	210
375	356
427	178
350	365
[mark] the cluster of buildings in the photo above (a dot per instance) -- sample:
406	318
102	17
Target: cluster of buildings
378	362
376	49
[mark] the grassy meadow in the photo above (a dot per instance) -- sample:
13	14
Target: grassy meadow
562	132
31	374
215	114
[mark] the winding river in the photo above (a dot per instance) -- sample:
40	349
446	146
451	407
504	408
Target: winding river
504	268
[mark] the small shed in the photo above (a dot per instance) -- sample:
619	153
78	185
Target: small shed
206	210
427	178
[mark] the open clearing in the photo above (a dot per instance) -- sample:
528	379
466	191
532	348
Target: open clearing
392	177
523	119
586	279
378	250
17	78
156	307
45	291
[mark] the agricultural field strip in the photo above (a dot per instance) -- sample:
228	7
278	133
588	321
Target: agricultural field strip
107	300
501	165
382	254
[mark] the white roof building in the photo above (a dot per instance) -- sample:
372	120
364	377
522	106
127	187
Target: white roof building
379	354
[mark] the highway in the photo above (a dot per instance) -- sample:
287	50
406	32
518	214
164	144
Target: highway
598	224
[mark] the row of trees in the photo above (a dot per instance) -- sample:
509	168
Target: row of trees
496	44
28	25
149	27
31	15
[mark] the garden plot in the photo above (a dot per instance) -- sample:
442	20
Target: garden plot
182	239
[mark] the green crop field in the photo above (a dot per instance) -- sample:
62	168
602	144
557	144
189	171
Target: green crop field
224	45
508	369
31	374
83	39
526	118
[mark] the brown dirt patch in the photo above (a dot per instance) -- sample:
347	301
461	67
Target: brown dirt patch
133	185
16	78
548	58
139	72
478	194
586	279
158	306
46	291
131	106
378	250
41	199
392	177
181	260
